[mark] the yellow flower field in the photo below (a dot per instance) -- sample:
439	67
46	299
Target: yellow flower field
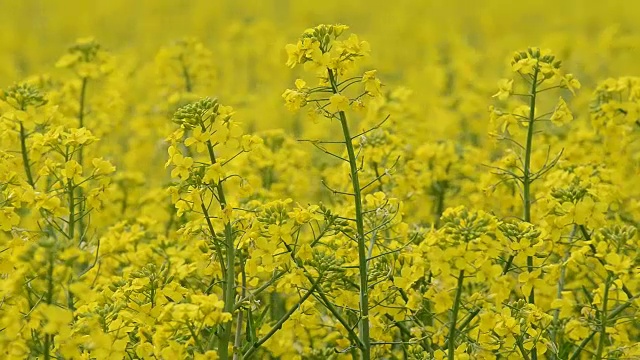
327	179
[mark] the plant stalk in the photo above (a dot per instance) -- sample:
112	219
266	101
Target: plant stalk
282	320
603	319
229	293
83	94
526	178
454	318
25	155
362	251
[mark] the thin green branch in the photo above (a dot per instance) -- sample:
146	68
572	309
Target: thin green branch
363	323
282	320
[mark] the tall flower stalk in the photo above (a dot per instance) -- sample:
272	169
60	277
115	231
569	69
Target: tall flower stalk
536	68
363	324
330	59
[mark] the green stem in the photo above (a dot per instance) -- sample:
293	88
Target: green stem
237	346
507	264
230	276
556	315
584	343
611	315
327	303
284	318
454	317
25	155
603	319
332	309
259	290
205	212
83	93
48	338
440	195
523	351
468	319
72	209
362	253
587	237
188	86
195	336
526	178
407	333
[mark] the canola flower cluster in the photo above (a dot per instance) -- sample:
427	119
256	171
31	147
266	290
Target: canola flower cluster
470	207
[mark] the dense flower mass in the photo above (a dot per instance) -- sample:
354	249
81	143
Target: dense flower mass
216	182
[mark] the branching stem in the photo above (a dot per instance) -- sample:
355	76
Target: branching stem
362	251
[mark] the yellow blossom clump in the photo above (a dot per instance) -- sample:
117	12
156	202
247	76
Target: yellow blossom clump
418	180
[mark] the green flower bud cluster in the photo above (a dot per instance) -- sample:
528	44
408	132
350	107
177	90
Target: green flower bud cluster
324	33
328	263
573	193
23	95
117	284
148	270
463	225
274	214
620	235
516	230
534	53
194	114
107	310
87	59
375	139
517	307
88	50
339	225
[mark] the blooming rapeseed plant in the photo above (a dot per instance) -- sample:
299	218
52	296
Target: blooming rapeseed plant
224	195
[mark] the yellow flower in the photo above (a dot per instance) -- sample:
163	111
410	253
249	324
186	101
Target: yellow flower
576	330
58	318
213	173
338	102
77	137
507	325
8	218
250	142
371	83
525	66
182	166
303	216
294	99
301	51
198	138
562	115
406	279
528	280
300	84
618	264
102	167
68	59
570	83
52	204
353	46
72	171
505	88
